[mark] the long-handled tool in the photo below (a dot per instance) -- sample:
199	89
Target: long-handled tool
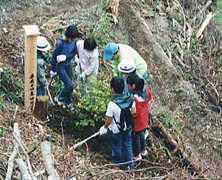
49	94
82	142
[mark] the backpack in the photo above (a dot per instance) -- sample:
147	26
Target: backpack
125	117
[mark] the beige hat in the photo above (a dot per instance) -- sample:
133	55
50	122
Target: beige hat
42	44
126	66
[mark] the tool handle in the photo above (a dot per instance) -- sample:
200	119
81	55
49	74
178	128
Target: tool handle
85	140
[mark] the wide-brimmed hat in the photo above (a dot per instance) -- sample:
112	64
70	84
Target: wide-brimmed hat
126	66
42	44
110	50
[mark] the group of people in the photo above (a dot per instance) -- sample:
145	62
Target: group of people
128	86
85	53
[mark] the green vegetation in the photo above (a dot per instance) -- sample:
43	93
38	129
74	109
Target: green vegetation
3	131
12	85
92	107
218	9
219	65
168	119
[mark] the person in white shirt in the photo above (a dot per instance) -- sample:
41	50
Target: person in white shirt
88	62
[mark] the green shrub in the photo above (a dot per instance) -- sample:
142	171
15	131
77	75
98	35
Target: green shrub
91	108
12	83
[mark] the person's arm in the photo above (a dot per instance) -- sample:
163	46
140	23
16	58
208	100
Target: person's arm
56	52
133	110
108	121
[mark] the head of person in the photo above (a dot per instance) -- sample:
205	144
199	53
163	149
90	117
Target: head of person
126	67
71	33
135	82
42	44
90	44
117	84
111	51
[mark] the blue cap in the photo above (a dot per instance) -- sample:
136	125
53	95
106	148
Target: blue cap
110	50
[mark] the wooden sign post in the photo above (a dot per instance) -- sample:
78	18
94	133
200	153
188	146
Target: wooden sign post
31	34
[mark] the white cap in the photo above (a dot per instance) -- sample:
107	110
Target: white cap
126	66
42	44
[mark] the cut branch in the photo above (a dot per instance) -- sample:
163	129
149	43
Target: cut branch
13	155
48	161
23	169
204	24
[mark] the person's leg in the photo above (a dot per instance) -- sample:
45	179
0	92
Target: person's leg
136	143
116	145
64	75
41	91
142	140
70	84
127	149
81	86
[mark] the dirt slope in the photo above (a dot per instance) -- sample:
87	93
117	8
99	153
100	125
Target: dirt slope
169	86
167	81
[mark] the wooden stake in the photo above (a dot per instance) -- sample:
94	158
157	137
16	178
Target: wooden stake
31	34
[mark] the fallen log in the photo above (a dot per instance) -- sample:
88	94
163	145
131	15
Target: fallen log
23	169
48	161
175	148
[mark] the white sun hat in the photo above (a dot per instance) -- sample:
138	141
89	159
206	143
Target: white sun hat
42	44
126	66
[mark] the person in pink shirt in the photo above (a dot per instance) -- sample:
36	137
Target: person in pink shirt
87	63
141	96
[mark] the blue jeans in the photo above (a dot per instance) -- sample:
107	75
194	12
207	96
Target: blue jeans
121	148
139	142
41	91
66	75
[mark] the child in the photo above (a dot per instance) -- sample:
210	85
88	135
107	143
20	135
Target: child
64	52
42	46
120	140
88	64
141	96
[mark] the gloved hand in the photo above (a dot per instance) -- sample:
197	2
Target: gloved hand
76	60
61	58
103	130
82	76
52	74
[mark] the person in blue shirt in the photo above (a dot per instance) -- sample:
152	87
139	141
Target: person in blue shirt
61	64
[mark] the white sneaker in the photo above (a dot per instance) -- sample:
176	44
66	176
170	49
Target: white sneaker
137	158
143	153
60	103
70	106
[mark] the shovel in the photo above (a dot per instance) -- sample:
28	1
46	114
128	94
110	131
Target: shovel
85	140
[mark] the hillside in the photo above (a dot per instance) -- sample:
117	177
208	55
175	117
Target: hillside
184	77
